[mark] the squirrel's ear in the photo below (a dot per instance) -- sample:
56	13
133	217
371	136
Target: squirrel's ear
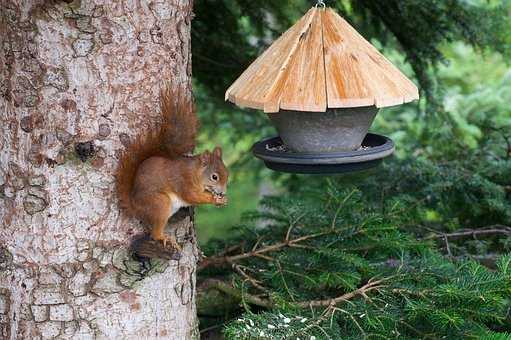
217	152
205	158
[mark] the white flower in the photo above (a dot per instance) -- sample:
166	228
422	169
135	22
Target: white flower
303	320
251	322
282	316
362	315
287	320
271	326
261	333
313	337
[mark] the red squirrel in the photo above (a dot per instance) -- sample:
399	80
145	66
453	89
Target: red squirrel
157	174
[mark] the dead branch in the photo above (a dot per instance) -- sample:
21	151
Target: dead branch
492	230
224	260
268	303
236	293
249	278
362	291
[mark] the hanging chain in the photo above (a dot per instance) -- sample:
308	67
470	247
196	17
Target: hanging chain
320	3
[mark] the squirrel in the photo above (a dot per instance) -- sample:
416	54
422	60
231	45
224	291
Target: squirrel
157	173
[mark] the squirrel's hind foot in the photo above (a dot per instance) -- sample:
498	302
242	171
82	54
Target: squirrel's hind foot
144	246
165	239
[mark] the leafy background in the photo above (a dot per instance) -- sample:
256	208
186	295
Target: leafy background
431	225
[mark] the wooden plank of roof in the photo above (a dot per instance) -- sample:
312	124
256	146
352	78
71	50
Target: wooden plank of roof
273	97
387	83
252	87
384	90
321	62
345	85
305	89
407	88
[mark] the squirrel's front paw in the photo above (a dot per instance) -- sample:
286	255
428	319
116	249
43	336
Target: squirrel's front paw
221	200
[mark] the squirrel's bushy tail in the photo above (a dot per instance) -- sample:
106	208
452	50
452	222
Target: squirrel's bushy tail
180	122
175	137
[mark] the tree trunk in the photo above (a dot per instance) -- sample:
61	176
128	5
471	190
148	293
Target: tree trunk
77	80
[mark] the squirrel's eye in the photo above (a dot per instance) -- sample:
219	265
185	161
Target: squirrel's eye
214	177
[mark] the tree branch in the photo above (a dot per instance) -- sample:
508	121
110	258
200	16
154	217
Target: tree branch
268	303
370	285
249	278
492	230
223	260
236	293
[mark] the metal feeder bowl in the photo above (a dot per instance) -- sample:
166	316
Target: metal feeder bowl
278	157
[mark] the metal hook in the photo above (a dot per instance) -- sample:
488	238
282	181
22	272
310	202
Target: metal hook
320	3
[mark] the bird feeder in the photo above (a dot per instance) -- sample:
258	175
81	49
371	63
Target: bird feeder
321	84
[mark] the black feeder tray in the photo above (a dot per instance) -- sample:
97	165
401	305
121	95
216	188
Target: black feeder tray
277	157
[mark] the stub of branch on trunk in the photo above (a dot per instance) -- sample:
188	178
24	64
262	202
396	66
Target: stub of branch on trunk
145	247
181	224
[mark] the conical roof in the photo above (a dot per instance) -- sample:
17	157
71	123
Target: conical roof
321	62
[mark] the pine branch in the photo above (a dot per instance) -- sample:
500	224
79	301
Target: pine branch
328	312
218	260
228	289
234	292
507	140
249	278
491	230
370	285
488	260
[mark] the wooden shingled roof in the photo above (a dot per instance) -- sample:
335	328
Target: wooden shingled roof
321	62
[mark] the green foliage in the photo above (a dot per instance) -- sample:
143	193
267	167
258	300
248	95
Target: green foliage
393	242
421	27
475	113
495	336
453	192
378	245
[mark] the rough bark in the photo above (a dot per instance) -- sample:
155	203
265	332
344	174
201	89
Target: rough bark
77	80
